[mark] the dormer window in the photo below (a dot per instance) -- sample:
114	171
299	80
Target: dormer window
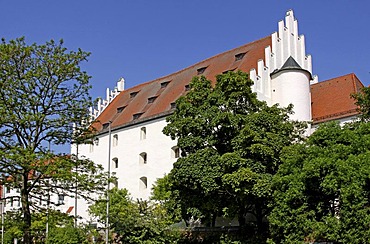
187	88
133	94
151	99
201	70
164	84
120	109
105	126
239	56
226	71
136	116
173	105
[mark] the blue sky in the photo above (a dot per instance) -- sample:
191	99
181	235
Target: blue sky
144	40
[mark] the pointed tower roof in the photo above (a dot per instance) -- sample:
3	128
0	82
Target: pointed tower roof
290	64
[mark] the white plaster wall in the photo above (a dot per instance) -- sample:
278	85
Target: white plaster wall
293	87
156	145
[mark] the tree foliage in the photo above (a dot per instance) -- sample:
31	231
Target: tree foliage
322	189
43	92
230	143
134	222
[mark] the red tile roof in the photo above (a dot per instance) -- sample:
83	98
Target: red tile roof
176	86
331	98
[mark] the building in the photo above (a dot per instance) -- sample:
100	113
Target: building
129	122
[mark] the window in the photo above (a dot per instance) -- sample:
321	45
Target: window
115	140
120	109
175	153
143	133
11	202
173	105
187	88
115	163
96	141
7	189
201	70
164	84
133	94
239	56
105	126
143	158
151	99
143	183
136	116
60	199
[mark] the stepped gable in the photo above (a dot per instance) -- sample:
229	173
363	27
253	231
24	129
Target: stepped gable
331	98
153	99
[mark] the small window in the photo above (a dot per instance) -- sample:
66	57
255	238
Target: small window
143	158
175	152
120	109
143	133
105	126
137	115
151	99
164	84
173	105
11	202
115	140
115	163
61	199
143	183
227	71
187	88
96	141
201	70
133	94
239	56
7	189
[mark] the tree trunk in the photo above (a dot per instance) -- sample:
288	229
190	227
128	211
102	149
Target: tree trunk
27	237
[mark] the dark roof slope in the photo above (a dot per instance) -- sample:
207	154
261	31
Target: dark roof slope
331	98
154	98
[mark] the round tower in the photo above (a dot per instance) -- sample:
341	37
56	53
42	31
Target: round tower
291	85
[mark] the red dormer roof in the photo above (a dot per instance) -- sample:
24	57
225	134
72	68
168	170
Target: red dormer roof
331	98
154	98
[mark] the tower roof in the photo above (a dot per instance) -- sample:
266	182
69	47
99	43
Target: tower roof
290	64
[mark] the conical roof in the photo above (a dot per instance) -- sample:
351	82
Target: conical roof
290	64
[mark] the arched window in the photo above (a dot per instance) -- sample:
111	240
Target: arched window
175	152
143	158
115	140
143	183
143	133
115	163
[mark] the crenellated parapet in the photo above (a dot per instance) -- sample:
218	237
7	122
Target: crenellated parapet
285	43
110	95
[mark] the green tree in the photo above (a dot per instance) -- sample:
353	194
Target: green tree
230	143
135	222
43	92
322	190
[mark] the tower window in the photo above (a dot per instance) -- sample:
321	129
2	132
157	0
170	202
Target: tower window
143	133
143	183
239	56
